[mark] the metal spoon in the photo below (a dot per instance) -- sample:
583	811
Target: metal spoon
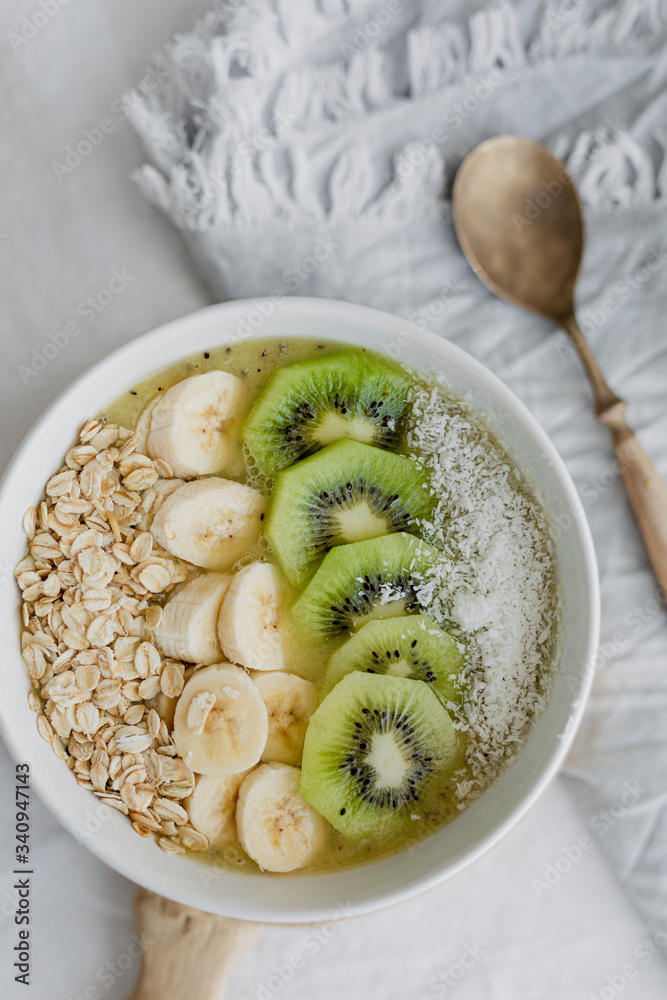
518	219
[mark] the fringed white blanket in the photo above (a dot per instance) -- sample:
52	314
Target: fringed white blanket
308	147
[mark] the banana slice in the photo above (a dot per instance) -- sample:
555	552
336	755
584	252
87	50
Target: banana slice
210	522
276	826
144	425
194	425
165	487
221	723
189	626
252	618
290	701
212	806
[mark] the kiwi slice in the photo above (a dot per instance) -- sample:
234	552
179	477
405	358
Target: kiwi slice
344	493
373	749
412	647
376	578
310	404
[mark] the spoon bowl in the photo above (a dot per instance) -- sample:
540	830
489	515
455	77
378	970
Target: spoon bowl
519	221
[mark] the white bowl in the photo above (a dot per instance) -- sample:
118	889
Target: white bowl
378	883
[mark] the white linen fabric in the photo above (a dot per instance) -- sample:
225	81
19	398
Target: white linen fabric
304	152
340	189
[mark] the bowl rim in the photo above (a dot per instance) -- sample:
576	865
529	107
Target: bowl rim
129	866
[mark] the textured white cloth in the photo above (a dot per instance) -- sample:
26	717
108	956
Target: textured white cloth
273	134
561	76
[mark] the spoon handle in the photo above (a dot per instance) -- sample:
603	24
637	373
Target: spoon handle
186	953
646	491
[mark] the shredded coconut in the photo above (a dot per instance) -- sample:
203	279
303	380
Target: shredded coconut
494	585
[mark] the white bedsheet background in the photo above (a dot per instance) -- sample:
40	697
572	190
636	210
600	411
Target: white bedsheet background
63	236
